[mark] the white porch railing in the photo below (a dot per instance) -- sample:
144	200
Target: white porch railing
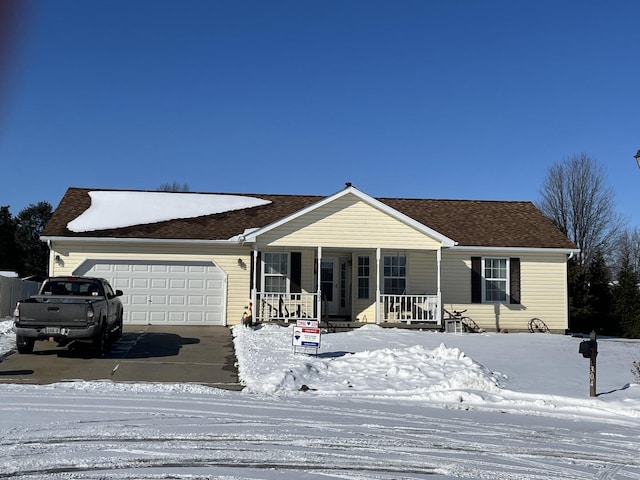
409	308
285	306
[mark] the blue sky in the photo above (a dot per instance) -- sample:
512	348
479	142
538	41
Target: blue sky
432	99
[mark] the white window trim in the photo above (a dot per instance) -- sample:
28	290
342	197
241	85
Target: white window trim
406	273
264	273
507	280
368	277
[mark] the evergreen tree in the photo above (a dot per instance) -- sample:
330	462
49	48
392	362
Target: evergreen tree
627	299
579	312
600	297
30	224
10	258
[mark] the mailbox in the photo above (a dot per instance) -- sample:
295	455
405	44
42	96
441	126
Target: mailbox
588	348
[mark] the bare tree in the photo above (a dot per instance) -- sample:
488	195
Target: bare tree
174	187
575	195
629	248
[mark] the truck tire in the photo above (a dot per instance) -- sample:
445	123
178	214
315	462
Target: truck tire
100	343
116	333
25	344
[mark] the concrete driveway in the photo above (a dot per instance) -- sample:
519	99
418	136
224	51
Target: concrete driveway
202	355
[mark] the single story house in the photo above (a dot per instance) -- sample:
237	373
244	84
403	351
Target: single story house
205	258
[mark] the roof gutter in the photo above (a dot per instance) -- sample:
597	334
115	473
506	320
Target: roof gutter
467	248
157	241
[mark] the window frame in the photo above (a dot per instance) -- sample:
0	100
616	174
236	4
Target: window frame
364	281
391	277
506	280
266	266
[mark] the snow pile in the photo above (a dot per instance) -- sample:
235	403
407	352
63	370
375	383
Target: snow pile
537	372
388	372
117	209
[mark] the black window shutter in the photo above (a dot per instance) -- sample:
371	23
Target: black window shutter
476	280
514	281
296	272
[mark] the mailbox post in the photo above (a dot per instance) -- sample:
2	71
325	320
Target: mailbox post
589	349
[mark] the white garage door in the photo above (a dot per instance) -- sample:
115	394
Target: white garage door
165	292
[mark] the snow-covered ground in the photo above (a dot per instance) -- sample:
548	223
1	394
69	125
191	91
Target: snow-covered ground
373	404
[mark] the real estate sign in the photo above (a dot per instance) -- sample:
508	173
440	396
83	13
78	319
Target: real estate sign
306	336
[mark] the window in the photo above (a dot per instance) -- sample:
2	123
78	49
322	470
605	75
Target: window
276	269
364	269
496	279
395	275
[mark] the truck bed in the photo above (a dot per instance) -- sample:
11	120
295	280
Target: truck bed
55	310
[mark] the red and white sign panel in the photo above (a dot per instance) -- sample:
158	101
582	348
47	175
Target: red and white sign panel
306	337
307	323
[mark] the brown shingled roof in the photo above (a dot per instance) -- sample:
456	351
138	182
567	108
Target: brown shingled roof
468	222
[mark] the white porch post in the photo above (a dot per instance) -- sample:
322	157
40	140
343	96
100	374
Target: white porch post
319	289
378	286
254	290
439	310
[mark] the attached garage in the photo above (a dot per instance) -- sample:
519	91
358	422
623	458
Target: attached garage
165	292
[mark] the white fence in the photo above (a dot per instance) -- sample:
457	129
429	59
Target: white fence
12	290
409	308
285	306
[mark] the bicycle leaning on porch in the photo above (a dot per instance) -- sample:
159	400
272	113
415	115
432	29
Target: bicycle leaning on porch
466	323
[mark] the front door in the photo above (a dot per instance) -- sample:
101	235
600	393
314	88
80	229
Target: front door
329	286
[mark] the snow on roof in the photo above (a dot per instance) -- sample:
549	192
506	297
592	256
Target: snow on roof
117	209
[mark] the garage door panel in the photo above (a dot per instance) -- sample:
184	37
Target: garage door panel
158	299
118	283
195	317
177	300
142	283
157	317
165	292
214	286
214	300
197	300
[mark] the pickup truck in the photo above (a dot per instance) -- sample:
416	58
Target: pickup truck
69	309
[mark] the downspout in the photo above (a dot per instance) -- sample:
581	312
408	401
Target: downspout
319	285
439	281
254	290
378	286
52	263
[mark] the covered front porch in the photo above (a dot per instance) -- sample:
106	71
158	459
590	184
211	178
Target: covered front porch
381	286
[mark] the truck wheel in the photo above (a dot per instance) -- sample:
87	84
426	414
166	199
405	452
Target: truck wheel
116	334
100	342
25	344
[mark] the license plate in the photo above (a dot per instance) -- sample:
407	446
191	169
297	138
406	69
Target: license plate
52	330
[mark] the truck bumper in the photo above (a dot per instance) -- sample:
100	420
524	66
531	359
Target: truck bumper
57	333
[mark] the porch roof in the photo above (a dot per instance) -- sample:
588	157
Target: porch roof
467	222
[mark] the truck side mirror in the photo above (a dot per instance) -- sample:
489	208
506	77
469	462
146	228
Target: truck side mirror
119	293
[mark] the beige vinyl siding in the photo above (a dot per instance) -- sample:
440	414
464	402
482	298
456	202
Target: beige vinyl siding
347	222
456	278
73	254
543	290
422	273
